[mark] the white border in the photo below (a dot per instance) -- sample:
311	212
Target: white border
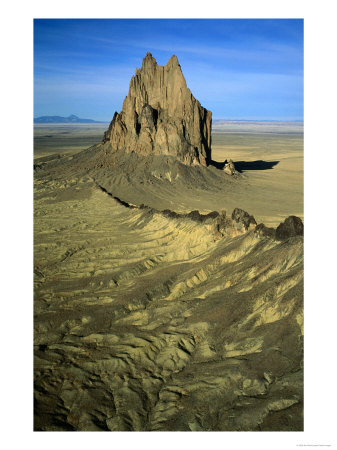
320	223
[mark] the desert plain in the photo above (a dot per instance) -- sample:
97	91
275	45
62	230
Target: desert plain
150	320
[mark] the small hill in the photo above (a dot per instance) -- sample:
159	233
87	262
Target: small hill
59	119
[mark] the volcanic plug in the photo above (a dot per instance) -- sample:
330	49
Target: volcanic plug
160	116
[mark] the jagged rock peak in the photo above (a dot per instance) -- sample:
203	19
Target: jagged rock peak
148	60
161	116
173	61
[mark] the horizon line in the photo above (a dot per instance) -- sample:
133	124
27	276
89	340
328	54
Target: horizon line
214	120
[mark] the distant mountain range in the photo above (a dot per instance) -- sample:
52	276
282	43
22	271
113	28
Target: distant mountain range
59	119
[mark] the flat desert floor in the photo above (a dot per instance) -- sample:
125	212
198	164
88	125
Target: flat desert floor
66	137
271	157
146	321
269	154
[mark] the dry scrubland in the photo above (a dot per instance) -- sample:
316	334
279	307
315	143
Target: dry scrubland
145	321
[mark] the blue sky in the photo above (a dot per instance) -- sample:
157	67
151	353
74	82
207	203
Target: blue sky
248	69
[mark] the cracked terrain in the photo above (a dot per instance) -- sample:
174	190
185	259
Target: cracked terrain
146	320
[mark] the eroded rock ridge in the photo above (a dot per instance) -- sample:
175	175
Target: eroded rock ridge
161	116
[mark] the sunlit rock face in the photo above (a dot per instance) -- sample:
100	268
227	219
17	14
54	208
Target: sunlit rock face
161	116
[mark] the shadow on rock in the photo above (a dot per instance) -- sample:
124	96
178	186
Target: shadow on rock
217	164
292	226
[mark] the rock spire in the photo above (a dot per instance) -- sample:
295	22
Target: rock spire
160	116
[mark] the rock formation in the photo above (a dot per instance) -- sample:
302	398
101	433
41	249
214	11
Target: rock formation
229	167
161	116
242	221
292	226
262	231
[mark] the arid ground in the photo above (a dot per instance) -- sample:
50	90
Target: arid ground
66	138
151	321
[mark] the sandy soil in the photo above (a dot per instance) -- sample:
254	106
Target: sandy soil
270	155
66	138
275	186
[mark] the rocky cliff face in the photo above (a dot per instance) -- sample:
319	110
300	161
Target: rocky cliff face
161	116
